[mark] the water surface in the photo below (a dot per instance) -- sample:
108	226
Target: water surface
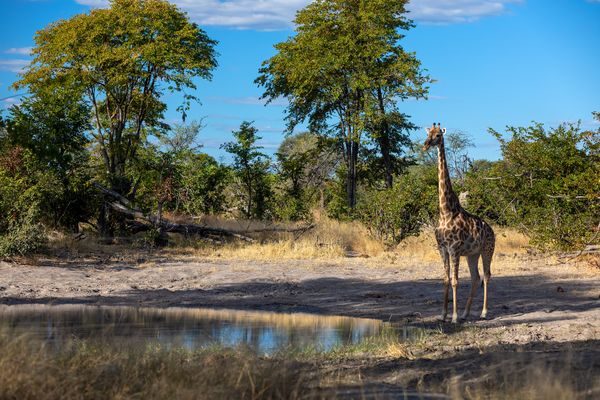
190	328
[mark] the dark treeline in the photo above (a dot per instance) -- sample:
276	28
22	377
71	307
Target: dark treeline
94	115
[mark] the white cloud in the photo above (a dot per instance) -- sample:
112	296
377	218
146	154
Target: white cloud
9	102
278	14
16	65
24	51
456	11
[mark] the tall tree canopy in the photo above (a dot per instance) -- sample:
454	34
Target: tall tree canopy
122	59
343	71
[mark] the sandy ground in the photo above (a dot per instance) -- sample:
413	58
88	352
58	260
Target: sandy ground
536	305
530	298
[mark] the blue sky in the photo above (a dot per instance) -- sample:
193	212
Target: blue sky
496	62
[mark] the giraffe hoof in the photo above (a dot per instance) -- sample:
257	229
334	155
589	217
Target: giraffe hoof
454	320
483	315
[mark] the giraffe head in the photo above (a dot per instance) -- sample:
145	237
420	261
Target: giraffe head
434	136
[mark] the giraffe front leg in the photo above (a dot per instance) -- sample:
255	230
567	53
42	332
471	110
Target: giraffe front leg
446	297
455	261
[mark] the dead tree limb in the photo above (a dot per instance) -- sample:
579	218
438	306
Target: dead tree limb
124	206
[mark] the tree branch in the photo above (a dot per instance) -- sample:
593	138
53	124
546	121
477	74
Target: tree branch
124	206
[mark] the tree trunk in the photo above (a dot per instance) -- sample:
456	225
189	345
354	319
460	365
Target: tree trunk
104	225
351	162
384	142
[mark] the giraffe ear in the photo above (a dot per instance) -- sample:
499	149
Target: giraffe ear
443	131
427	130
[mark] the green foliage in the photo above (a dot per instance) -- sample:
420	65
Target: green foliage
344	70
547	184
305	163
336	196
120	60
385	156
394	214
51	126
203	185
23	236
25	191
251	172
173	174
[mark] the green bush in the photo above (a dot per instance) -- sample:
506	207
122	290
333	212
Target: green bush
546	184
394	214
23	236
203	185
25	190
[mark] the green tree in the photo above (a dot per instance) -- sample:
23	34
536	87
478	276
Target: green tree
344	58
122	59
305	162
52	126
385	156
25	187
204	182
251	168
546	184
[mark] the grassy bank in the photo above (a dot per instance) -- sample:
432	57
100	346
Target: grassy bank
381	368
327	240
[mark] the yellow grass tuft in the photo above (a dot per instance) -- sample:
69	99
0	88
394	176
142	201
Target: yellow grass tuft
424	247
398	350
329	239
510	242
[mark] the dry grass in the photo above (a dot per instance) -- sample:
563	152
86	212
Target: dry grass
329	239
533	380
424	248
83	370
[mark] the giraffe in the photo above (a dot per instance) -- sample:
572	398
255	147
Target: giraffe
459	233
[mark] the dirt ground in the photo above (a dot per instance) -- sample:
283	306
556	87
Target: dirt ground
536	305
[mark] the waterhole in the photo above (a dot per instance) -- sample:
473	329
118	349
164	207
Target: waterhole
189	328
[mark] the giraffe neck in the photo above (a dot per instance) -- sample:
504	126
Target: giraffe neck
449	204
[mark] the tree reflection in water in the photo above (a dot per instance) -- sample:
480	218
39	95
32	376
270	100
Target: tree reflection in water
264	332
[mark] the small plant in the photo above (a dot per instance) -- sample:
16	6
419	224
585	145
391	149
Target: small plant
23	237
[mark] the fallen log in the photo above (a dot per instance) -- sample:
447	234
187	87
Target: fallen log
123	206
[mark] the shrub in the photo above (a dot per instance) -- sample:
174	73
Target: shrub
23	236
546	184
393	214
26	191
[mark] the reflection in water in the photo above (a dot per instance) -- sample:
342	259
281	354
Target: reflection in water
265	332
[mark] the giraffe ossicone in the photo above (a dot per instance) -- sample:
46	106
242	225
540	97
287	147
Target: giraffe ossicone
459	233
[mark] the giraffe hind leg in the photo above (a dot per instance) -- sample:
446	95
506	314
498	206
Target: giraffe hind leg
472	260
487	274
